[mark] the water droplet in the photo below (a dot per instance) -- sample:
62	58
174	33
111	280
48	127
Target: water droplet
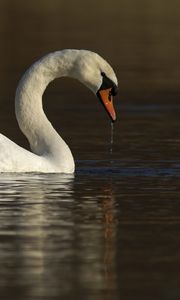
111	142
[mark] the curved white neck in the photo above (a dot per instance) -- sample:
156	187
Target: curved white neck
43	138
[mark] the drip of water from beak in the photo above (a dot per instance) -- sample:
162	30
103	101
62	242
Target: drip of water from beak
111	142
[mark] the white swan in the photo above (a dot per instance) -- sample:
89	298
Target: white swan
50	154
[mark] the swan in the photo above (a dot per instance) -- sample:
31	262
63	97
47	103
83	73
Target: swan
50	153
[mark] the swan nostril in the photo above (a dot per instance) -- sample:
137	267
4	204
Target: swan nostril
110	96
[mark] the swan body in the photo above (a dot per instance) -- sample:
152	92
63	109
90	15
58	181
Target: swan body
50	153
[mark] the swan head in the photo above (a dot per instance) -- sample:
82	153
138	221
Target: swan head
93	71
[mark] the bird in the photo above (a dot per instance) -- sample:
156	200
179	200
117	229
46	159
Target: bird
48	152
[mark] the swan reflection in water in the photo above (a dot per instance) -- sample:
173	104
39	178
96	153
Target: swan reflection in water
60	235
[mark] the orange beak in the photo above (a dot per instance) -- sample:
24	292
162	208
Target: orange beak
107	101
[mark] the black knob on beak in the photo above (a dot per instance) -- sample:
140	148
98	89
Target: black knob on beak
114	90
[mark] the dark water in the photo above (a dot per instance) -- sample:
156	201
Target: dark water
111	230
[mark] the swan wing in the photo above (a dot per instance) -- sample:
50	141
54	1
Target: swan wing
14	158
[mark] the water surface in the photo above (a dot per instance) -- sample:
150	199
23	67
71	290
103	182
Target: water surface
109	231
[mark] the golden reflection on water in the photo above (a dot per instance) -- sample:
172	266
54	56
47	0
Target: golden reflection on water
110	222
58	246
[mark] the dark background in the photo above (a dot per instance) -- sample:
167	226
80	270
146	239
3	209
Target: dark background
139	38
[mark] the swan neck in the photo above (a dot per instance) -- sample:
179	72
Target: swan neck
43	138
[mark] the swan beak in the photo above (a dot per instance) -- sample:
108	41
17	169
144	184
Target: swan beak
106	99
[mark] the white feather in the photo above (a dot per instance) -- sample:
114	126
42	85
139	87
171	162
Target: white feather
49	151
